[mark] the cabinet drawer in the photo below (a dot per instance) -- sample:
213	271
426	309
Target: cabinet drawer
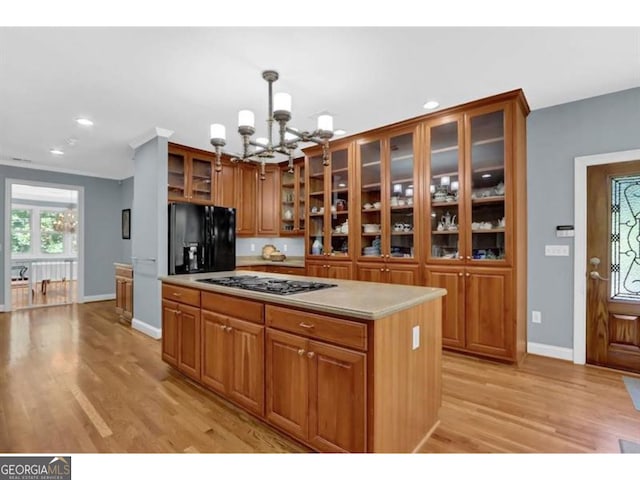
181	294
285	270
233	307
124	272
335	330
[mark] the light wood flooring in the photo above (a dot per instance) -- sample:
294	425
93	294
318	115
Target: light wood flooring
53	293
73	379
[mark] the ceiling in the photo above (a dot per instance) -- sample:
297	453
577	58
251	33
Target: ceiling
131	80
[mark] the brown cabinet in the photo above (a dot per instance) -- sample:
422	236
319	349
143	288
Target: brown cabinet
268	198
329	202
181	330
124	293
190	175
388	272
316	392
292	199
246	198
341	270
233	359
477	312
225	185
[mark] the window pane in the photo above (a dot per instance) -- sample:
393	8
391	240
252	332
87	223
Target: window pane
51	243
20	231
625	238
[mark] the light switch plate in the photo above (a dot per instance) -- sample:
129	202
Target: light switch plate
556	250
416	337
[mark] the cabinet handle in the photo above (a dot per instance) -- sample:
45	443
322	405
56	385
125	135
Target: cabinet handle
311	354
387	270
460	274
306	325
176	294
228	329
301	351
467	274
468	257
386	256
382	269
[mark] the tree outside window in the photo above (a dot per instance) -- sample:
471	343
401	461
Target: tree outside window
51	241
20	231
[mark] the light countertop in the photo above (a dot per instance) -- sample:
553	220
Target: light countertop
350	298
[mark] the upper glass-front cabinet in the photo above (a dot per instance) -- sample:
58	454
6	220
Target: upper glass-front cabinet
387	194
488	187
401	196
445	185
292	200
328	204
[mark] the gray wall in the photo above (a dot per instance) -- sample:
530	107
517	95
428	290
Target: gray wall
556	135
126	196
102	224
149	237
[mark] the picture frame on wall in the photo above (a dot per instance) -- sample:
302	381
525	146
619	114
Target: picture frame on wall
126	224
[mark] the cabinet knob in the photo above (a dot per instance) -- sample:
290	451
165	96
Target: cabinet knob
468	274
311	354
228	329
460	274
387	270
382	269
468	257
301	351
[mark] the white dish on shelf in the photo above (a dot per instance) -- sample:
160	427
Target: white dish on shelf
367	206
377	205
371	227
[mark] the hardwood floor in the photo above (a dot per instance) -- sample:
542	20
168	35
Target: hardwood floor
73	379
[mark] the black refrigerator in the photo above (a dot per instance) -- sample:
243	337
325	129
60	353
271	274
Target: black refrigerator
202	238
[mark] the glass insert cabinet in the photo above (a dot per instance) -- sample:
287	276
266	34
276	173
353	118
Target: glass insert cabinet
386	204
468	187
328	204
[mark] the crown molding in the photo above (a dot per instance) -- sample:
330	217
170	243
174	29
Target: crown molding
149	135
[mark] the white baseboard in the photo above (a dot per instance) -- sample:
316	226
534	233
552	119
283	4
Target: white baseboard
150	330
98	298
552	351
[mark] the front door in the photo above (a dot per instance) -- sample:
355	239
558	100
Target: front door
613	265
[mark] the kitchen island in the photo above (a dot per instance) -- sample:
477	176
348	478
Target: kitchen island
350	368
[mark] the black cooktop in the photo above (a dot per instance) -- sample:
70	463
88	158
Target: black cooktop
274	285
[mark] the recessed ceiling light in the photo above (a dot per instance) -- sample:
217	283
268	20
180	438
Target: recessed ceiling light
56	151
342	185
85	122
431	104
486	175
339	132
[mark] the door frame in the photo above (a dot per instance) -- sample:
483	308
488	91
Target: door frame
580	245
9	182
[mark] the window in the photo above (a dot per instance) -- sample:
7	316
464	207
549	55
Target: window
36	232
51	241
21	230
625	236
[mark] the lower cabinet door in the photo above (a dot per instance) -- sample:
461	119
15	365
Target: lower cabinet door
245	342
371	272
339	271
489	312
189	341
453	317
215	358
403	274
128	299
315	269
287	382
170	332
337	395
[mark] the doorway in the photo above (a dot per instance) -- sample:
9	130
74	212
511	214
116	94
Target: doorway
613	251
43	235
607	252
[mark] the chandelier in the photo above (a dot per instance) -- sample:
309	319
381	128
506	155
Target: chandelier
66	222
288	137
